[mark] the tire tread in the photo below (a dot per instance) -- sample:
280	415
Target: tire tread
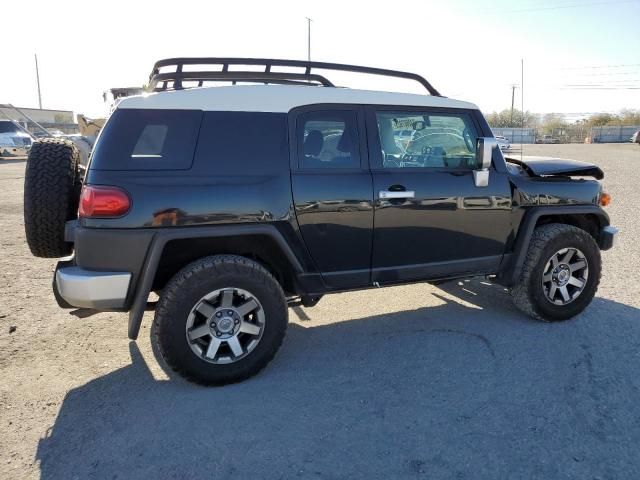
51	195
214	265
521	292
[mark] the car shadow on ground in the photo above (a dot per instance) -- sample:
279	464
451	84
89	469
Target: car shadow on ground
467	389
8	161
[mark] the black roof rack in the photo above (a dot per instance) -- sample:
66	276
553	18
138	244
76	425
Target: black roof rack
175	79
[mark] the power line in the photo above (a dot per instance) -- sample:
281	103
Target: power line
596	82
602	77
599	88
611	74
558	7
591	85
621	65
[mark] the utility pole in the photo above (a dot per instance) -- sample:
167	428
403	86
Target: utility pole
522	105
522	88
513	93
38	80
308	39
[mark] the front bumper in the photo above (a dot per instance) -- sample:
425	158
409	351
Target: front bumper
607	237
8	151
84	288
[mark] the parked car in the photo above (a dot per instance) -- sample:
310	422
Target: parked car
503	142
635	138
15	141
49	133
234	202
547	139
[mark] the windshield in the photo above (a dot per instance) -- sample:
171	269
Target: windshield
8	127
453	143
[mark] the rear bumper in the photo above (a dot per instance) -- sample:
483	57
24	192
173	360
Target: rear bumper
90	288
607	237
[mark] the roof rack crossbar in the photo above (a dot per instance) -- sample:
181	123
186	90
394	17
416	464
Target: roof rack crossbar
234	80
227	76
267	76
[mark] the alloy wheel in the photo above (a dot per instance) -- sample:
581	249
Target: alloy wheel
225	325
565	276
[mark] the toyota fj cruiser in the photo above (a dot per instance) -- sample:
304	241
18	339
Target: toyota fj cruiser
233	202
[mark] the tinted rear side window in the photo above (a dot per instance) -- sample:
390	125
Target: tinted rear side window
148	140
242	143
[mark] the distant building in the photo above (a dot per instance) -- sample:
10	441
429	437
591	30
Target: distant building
62	120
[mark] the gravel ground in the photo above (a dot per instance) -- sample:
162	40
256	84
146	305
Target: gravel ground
403	382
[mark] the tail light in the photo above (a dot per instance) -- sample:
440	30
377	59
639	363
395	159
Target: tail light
103	202
605	199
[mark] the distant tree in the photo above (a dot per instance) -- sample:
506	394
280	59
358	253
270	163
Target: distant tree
600	119
550	122
629	116
503	119
553	122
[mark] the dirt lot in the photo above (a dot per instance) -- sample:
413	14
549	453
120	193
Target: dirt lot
418	381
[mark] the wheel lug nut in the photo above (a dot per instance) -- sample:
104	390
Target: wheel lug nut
229	312
237	321
213	324
219	314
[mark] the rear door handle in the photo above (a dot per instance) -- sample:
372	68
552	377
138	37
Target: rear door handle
402	194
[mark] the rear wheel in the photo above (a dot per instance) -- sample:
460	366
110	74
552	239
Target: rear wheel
51	194
220	320
560	274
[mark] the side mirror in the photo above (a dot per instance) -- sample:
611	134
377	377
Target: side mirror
484	153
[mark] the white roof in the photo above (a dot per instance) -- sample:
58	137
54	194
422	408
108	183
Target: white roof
278	98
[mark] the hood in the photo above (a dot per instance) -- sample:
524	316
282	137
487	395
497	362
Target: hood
549	166
18	139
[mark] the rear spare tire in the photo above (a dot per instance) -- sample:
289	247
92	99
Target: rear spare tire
51	194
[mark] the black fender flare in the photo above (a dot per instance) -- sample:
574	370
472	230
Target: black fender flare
513	263
163	236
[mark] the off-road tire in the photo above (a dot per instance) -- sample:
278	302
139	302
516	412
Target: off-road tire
528	294
51	195
187	287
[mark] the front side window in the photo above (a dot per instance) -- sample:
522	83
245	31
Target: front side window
328	140
421	140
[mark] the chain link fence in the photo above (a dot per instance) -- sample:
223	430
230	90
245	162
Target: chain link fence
572	134
516	135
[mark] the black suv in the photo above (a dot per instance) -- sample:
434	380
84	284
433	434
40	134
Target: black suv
233	202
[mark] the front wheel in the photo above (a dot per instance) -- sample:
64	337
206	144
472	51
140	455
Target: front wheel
560	274
220	320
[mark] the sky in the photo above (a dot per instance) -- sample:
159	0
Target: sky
580	57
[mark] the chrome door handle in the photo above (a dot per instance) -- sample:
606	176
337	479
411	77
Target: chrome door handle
402	194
